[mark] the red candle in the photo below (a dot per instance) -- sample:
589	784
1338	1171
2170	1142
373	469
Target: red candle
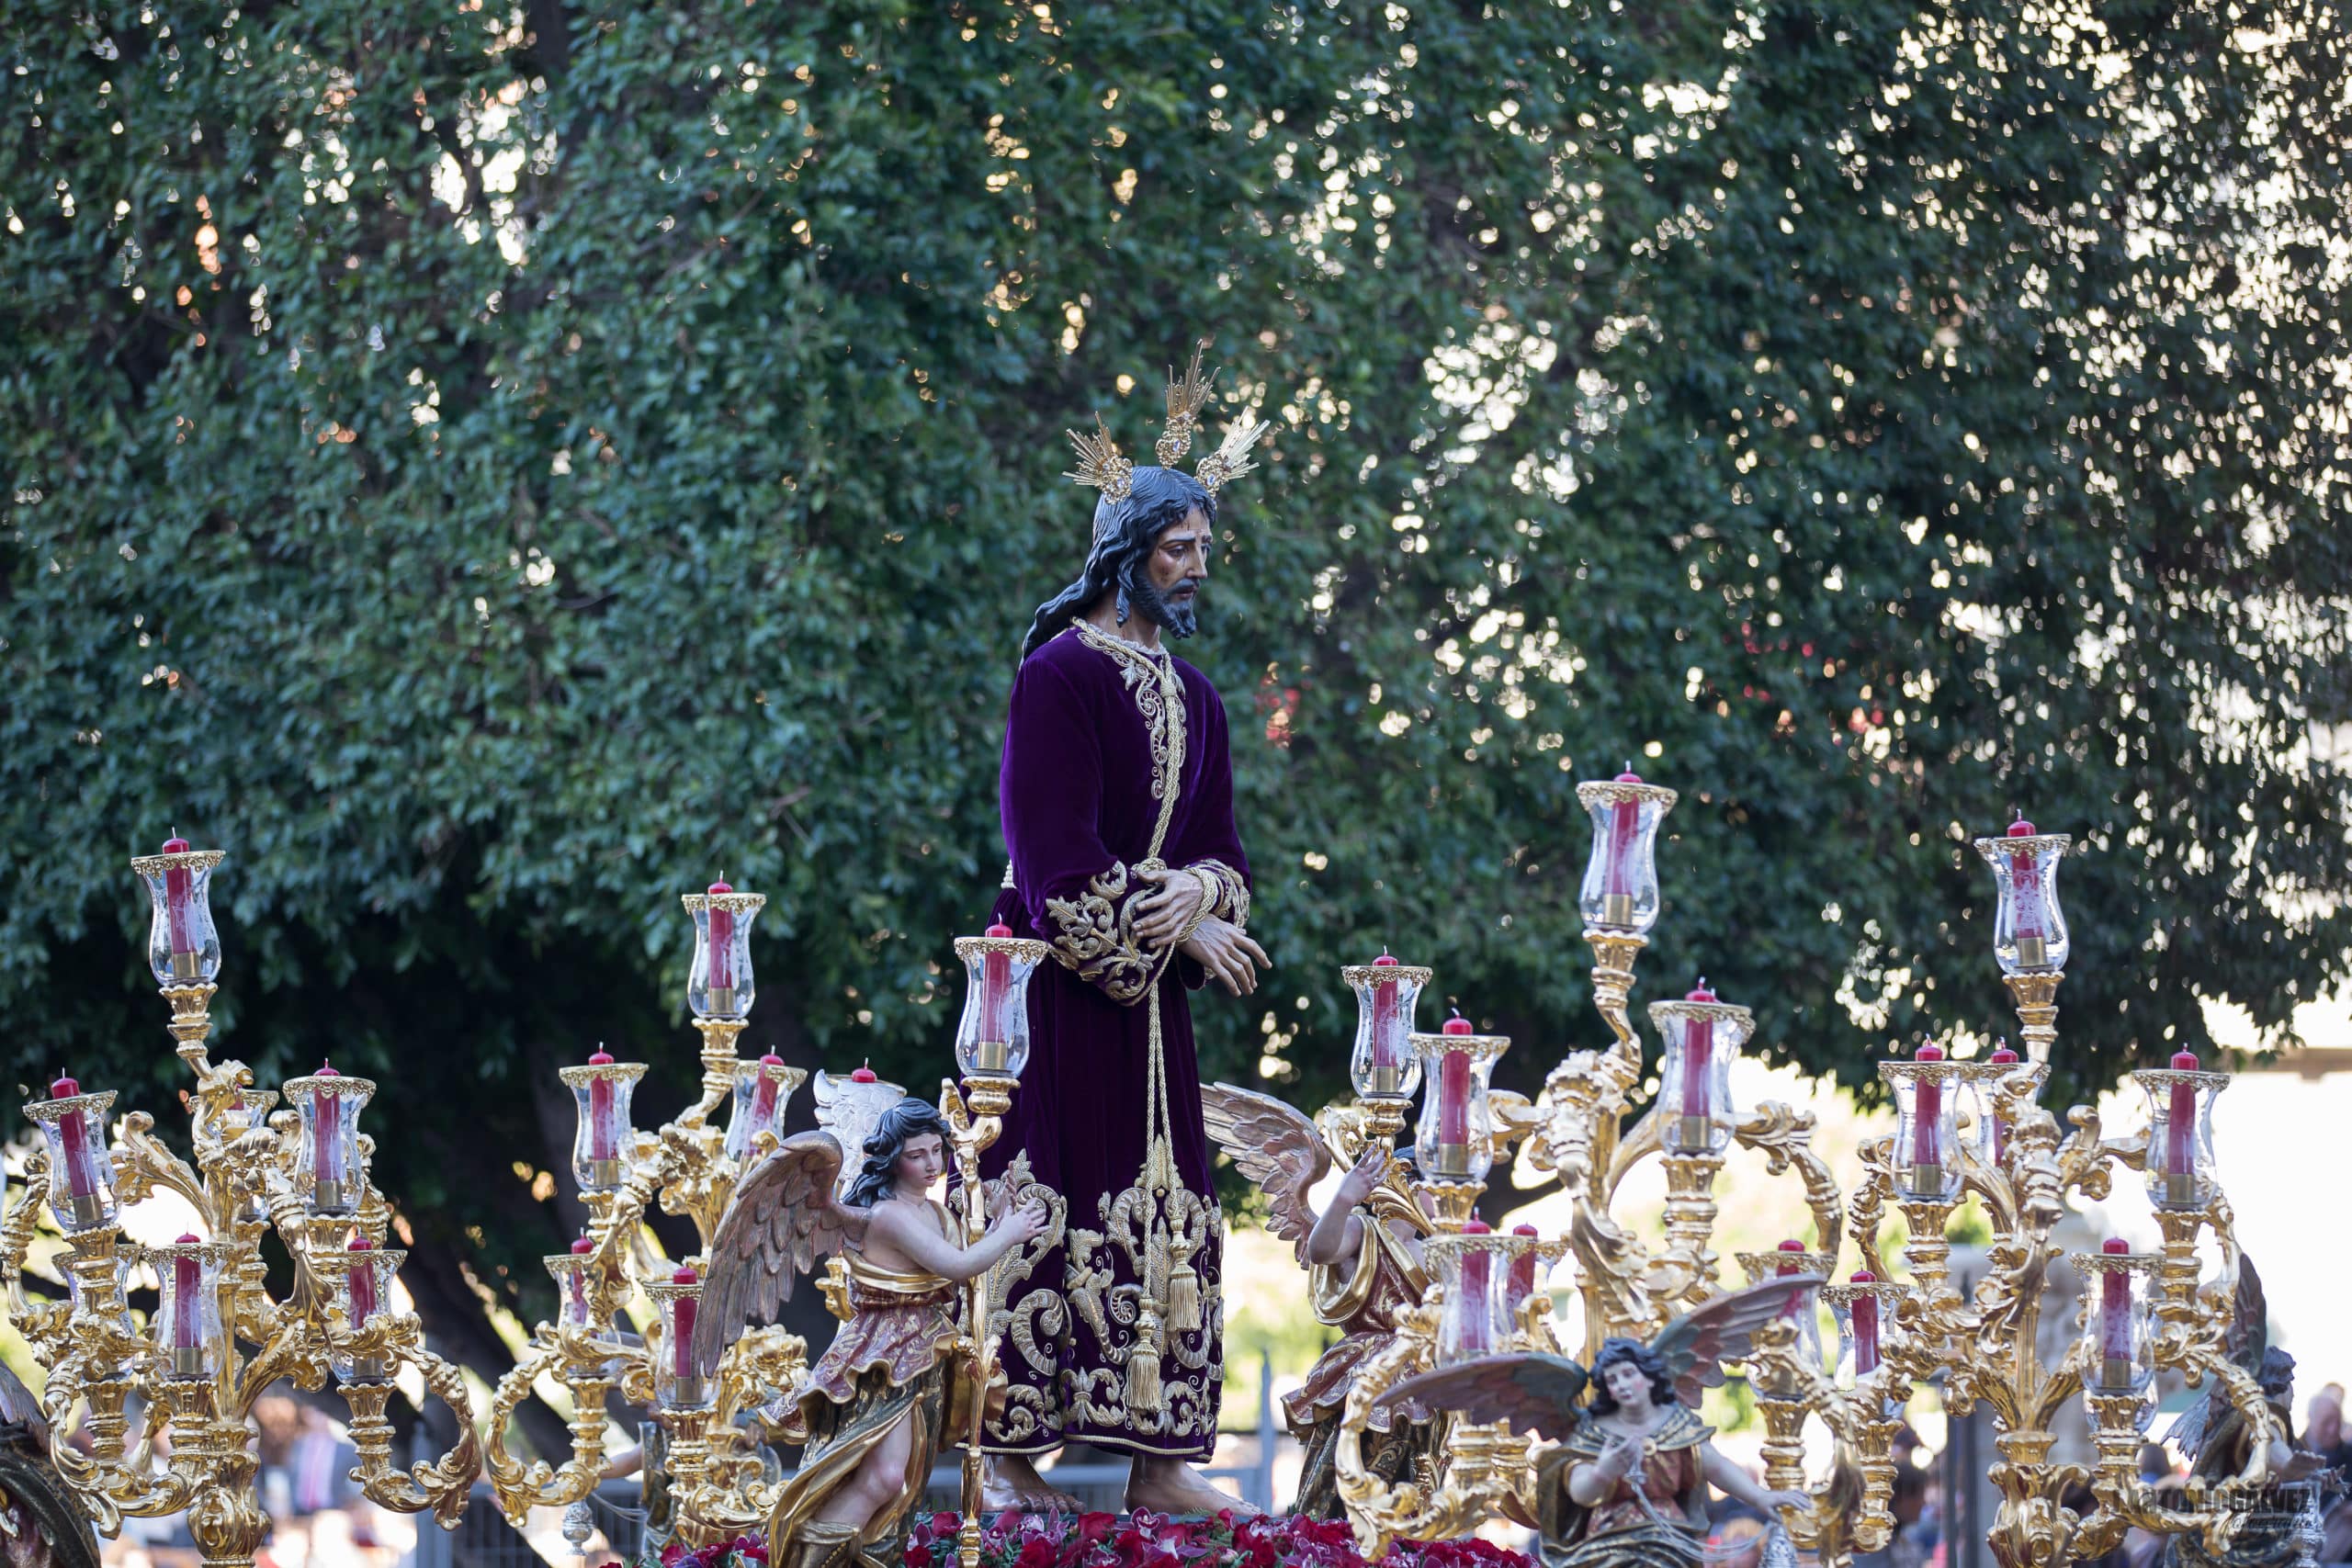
1453	1104
1865	1320
187	1324
1624	828
2004	1057
721	983
864	1074
327	1175
763	1097
1522	1269
1926	1128
74	1145
1388	1033
1697	1128
178	884
2180	1134
578	1285
2025	884
1477	1330
681	1358
996	997
603	1128
363	1281
2115	1320
1791	1264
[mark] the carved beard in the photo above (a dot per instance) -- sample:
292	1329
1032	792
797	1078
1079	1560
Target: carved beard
1175	619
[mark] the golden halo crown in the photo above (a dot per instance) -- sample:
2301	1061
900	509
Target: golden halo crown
1101	464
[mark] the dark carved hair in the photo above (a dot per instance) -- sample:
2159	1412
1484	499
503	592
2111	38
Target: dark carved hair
899	1125
1124	532
1649	1362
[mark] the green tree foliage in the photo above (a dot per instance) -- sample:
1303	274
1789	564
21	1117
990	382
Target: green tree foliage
492	469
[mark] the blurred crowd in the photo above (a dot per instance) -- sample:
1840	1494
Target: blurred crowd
318	1518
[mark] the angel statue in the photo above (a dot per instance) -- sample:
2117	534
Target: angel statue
872	1412
1627	1485
2218	1442
1364	1257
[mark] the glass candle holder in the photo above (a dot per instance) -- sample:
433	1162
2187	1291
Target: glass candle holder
1700	1038
85	1299
679	1382
849	1108
1861	1307
2180	1172
327	1170
182	947
1789	1261
2119	1344
1454	1140
719	983
80	1176
1529	1263
1926	1124
992	1036
1473	1267
764	1090
2000	1067
191	1343
2029	930
601	1147
363	1290
1620	890
571	1272
1383	1064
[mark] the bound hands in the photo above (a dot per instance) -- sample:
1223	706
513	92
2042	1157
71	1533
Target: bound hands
1217	945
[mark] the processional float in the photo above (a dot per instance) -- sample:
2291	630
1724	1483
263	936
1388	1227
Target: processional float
1963	1127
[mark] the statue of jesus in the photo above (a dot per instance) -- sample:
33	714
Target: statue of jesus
1116	795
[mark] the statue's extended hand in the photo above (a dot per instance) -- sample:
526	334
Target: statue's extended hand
1167	909
1797	1502
1226	951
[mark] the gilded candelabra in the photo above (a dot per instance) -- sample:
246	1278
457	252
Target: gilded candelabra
702	1452
697	1451
219	1339
2140	1312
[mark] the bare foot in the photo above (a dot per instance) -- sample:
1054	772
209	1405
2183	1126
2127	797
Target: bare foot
1172	1486
1013	1482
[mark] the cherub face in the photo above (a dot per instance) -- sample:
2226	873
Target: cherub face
920	1163
1627	1385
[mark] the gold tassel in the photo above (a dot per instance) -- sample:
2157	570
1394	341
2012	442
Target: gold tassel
1143	1363
1183	1297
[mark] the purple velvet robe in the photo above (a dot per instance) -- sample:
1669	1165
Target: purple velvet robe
1093	749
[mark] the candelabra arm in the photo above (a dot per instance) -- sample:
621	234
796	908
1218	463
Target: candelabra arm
144	1165
519	1487
1783	1135
1866	1206
441	1485
1382	1511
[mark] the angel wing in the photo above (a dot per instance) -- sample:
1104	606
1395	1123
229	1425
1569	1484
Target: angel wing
782	1219
2213	1422
1696	1344
2249	1336
1276	1149
1534	1394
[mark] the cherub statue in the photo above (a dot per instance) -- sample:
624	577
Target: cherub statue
1364	1257
1627	1486
874	1411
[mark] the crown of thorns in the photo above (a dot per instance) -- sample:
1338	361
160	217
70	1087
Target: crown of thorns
1101	465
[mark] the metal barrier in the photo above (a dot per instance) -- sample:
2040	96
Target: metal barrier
484	1540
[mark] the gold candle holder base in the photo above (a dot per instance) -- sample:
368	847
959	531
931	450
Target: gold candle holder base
719	1000
1694	1134
2033	952
989	1056
1449	1160
330	1198
1924	1182
1617	908
2180	1191
185	966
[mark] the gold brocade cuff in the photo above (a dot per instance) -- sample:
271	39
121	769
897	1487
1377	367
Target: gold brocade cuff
1095	935
1227	894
